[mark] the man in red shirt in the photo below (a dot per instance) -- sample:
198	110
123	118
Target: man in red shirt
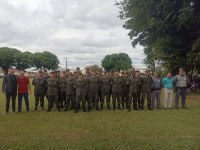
23	87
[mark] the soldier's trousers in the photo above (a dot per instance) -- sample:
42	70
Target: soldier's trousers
125	95
8	95
39	98
144	94
180	92
80	97
62	97
93	98
105	95
139	99
116	97
155	94
53	99
70	100
132	96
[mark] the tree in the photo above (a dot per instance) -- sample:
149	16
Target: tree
45	60
49	61
116	62
23	60
7	58
166	29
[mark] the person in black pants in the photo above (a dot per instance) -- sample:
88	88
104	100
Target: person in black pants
9	88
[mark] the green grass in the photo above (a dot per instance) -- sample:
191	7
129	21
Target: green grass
158	129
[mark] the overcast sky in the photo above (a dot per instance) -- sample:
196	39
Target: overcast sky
84	31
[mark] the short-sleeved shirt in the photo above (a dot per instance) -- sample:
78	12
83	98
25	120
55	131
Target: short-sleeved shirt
22	84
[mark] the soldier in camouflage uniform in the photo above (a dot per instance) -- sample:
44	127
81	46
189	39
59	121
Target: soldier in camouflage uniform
93	87
52	92
105	89
70	92
133	83
62	88
40	90
80	85
116	90
146	89
125	88
138	95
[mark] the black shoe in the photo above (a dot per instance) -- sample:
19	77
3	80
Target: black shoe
48	110
66	109
35	108
76	111
97	108
108	107
149	108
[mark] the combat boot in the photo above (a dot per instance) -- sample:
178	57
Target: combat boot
101	106
129	108
84	109
97	108
108	106
89	108
122	105
35	108
114	106
119	106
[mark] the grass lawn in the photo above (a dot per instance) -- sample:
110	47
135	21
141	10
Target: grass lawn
120	129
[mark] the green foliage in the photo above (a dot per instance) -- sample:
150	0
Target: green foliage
116	62
167	30
13	57
7	57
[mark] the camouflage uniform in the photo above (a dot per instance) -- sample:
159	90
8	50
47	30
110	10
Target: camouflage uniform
146	90
105	90
134	84
125	91
93	87
53	93
70	93
80	86
39	91
62	87
116	91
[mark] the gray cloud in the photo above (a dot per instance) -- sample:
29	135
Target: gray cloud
84	31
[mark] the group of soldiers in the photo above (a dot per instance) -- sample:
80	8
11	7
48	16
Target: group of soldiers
88	91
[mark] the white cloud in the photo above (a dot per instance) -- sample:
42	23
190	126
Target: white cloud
84	31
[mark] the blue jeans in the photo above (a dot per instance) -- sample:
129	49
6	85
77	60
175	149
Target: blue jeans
20	96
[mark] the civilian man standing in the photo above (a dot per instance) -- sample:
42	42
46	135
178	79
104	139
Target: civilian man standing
9	88
23	86
181	81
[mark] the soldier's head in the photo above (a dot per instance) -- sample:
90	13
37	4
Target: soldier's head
116	74
105	74
181	71
80	76
137	73
147	73
126	73
53	74
40	74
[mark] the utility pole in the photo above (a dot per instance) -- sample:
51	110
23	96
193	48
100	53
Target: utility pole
66	62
